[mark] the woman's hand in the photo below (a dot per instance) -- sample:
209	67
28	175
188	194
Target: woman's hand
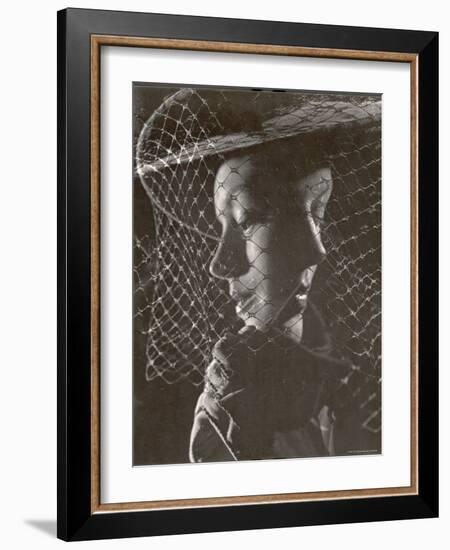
259	383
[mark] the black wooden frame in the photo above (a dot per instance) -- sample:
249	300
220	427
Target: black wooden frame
75	520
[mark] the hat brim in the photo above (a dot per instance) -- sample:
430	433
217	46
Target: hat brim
294	116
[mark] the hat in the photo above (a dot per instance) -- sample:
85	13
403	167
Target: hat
193	124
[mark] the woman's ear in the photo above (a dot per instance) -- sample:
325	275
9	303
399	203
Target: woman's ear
314	191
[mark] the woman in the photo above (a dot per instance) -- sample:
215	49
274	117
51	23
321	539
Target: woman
272	389
266	395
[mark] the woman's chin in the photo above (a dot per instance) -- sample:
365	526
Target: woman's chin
260	322
288	319
259	325
292	328
265	319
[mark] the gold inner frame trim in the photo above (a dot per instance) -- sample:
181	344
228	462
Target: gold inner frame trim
97	41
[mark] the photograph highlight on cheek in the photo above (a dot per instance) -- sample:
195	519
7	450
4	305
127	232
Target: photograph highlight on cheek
257	274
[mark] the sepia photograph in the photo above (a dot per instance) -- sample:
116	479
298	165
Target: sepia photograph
256	274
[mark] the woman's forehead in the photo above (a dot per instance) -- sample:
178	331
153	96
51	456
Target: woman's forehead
235	168
237	180
243	171
252	178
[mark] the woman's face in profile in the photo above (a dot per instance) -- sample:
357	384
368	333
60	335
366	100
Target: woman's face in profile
270	244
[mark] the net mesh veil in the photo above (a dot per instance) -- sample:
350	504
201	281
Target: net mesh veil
180	308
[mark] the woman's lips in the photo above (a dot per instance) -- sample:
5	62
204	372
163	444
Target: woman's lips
246	304
250	306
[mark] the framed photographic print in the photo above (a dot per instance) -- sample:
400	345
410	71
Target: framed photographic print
247	274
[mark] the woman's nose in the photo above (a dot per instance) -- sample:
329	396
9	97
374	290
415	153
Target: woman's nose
230	259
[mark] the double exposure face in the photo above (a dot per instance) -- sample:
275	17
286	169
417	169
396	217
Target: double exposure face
270	244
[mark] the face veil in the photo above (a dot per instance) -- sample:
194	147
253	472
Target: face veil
180	308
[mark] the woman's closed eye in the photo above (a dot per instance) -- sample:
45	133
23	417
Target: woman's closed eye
250	221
